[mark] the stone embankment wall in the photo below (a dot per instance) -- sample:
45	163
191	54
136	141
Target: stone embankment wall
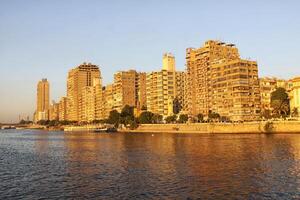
249	127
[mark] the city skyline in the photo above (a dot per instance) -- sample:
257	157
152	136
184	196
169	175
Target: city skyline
32	50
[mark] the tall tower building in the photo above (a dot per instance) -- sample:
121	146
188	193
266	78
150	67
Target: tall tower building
161	87
219	81
79	79
42	100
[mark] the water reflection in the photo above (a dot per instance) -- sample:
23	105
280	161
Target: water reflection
172	166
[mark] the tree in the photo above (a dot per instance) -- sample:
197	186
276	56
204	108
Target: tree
53	123
200	117
183	118
43	122
280	103
146	117
25	122
114	117
213	116
127	115
157	118
295	112
266	114
176	106
171	119
133	125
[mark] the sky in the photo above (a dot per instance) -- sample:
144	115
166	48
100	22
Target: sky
45	39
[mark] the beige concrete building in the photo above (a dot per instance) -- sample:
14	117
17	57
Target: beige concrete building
180	89
42	104
141	91
267	86
87	104
108	100
235	90
124	89
79	79
161	87
62	109
294	94
129	88
54	111
219	81
99	109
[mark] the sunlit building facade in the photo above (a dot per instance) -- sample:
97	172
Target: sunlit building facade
42	104
79	79
62	109
267	86
54	111
294	95
161	87
124	89
219	81
108	100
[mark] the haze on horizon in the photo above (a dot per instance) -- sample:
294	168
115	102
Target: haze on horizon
45	39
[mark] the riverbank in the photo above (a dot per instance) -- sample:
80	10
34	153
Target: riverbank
236	128
260	127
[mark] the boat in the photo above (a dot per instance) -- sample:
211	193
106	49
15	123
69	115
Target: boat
8	127
105	130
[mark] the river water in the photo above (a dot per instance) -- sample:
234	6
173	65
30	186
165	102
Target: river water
57	165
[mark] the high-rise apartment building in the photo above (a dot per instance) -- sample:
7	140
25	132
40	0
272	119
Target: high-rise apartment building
83	76
235	90
161	87
62	109
129	88
180	89
141	91
42	105
124	89
219	81
90	102
108	100
87	103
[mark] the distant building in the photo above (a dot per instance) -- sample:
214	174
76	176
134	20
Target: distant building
161	87
180	84
87	103
129	88
108	100
267	86
62	109
54	111
141	91
78	83
295	95
219	81
42	105
124	89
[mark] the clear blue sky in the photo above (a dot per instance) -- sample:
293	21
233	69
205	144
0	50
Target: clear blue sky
44	39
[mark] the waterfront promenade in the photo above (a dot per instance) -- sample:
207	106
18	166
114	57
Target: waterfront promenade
236	128
259	127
